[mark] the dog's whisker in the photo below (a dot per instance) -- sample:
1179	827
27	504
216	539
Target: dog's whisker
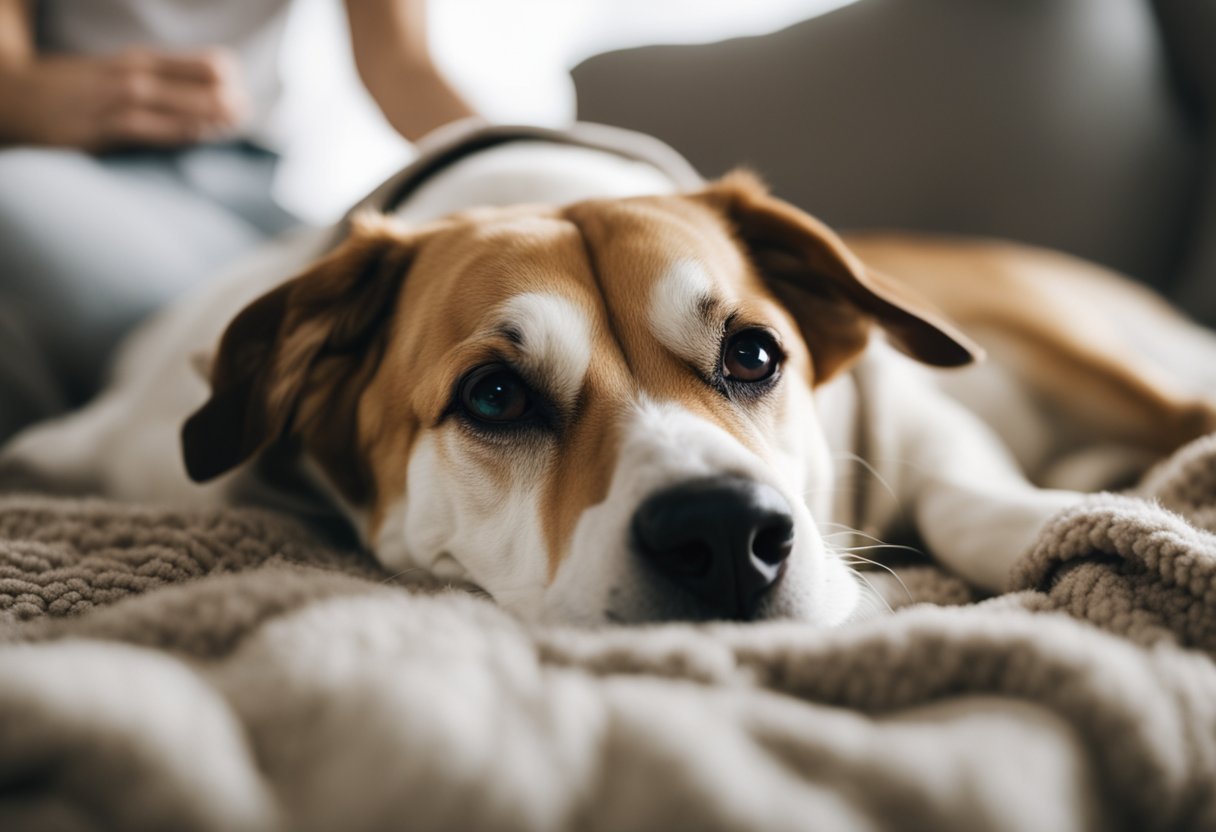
841	529
849	456
859	559
869	594
849	530
396	575
879	542
886	461
881	545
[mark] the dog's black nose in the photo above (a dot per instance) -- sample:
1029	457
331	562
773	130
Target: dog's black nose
724	539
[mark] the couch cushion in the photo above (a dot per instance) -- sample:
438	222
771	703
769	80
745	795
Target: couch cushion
1049	122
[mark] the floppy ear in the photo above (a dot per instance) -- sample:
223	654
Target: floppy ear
294	361
832	295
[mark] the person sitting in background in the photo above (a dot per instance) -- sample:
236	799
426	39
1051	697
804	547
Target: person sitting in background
138	145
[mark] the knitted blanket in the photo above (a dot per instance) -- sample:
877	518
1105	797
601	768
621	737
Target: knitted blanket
224	670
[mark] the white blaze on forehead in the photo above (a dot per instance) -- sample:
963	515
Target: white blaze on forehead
677	305
554	339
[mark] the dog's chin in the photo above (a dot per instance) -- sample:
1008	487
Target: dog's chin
816	588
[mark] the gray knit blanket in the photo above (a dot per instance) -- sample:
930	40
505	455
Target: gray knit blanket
224	670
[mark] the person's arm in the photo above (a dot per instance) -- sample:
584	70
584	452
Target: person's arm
141	97
389	40
16	33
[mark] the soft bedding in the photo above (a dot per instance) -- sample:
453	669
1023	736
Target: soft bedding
227	670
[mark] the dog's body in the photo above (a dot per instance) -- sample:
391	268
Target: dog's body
686	362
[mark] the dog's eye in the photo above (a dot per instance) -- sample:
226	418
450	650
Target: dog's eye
749	356
495	394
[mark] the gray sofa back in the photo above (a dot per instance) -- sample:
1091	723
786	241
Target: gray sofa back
1075	124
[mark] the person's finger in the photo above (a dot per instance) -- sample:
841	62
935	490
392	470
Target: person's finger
210	66
142	90
214	66
148	127
233	94
203	84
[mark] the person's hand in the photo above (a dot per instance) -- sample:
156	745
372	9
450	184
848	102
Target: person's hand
139	98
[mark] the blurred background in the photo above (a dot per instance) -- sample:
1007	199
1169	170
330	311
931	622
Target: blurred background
510	58
1083	125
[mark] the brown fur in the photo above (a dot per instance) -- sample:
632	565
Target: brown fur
294	362
1052	319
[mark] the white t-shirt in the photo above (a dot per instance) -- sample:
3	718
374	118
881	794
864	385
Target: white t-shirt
252	29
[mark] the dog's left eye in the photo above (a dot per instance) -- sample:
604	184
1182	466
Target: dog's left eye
750	356
495	394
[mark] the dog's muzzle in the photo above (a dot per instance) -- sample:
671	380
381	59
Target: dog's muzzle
723	539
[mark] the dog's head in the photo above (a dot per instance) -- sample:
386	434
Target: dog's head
598	412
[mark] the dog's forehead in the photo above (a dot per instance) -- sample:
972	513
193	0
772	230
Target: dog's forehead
467	273
671	273
609	264
636	243
644	285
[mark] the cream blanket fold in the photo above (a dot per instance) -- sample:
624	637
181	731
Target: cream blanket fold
224	670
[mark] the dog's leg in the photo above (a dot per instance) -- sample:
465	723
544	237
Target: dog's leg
952	476
972	506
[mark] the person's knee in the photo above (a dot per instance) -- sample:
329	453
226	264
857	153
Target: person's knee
31	177
25	164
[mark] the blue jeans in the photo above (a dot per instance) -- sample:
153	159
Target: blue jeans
89	245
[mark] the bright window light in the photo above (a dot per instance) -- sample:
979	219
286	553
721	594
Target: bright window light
511	58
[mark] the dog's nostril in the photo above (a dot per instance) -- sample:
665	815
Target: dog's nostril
774	544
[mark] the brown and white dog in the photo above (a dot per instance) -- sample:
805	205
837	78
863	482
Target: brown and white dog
599	406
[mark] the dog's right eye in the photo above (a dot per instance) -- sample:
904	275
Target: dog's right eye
750	356
495	394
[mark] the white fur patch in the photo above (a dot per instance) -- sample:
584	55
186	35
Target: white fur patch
556	340
537	172
676	311
458	524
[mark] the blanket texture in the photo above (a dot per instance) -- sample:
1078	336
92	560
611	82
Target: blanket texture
224	670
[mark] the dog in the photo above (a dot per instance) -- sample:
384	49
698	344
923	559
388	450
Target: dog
559	376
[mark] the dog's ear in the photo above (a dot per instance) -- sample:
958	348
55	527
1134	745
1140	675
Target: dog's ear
294	361
829	291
